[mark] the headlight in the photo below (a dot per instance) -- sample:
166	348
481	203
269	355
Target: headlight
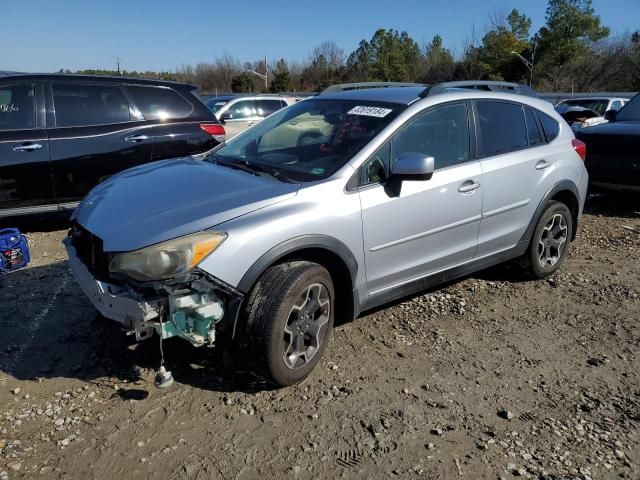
167	259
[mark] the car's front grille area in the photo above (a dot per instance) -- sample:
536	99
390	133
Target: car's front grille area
90	252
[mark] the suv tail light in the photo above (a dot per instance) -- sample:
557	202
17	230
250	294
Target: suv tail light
213	129
580	147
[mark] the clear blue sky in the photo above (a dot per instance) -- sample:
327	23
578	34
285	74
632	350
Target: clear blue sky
45	35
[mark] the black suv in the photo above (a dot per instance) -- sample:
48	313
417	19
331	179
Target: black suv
60	135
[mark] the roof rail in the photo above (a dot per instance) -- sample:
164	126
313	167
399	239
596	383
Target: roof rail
6	73
343	87
485	85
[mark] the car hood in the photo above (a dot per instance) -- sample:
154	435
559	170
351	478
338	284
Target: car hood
614	128
167	199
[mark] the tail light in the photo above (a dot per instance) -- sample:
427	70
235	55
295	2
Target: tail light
213	129
580	147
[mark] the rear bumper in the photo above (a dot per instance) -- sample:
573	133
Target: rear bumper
616	187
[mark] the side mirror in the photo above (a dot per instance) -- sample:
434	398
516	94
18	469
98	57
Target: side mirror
413	166
226	116
611	115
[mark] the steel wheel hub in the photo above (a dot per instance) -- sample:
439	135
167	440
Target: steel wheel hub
306	326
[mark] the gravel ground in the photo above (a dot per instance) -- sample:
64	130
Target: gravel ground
488	377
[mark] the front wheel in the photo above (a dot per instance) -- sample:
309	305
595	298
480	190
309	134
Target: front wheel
289	317
550	242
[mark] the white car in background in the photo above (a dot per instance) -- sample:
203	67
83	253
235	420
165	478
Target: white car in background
240	112
586	112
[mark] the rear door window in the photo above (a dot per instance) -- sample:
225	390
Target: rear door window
17	107
502	128
159	103
267	107
79	105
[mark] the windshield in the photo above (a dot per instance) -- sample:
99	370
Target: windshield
309	140
631	111
598	106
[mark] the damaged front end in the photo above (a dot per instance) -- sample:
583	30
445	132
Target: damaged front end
197	309
196	306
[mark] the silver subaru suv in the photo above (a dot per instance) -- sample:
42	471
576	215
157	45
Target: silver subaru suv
330	207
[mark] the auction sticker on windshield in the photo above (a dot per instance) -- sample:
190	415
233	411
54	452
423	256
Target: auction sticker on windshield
370	111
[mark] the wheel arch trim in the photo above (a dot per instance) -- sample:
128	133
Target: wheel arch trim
563	185
296	244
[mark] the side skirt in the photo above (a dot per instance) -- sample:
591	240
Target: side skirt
439	278
20	211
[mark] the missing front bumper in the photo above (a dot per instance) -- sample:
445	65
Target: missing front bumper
193	311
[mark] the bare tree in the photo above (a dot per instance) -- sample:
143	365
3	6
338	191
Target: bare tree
227	67
333	55
610	66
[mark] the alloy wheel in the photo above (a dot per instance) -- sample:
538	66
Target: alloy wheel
306	326
552	241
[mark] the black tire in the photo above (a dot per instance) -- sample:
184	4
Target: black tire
275	303
531	262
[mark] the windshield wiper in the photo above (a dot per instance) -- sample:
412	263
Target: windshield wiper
272	171
254	168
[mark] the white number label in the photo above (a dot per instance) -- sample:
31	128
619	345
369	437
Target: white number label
8	108
370	111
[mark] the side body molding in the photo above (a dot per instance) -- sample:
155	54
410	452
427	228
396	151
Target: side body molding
519	249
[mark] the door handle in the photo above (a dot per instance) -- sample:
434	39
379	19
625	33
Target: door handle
542	164
136	138
27	147
468	186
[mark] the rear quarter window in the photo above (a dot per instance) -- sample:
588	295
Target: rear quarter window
550	126
159	103
535	136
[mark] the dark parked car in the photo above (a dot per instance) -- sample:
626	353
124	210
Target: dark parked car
612	149
61	135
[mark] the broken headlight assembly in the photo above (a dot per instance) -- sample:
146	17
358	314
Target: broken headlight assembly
167	259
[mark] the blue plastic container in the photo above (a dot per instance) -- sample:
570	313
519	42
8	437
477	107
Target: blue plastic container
14	250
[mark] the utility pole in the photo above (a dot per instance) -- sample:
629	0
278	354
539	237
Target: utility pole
528	64
264	76
118	65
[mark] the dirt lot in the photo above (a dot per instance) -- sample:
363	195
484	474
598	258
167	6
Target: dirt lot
488	377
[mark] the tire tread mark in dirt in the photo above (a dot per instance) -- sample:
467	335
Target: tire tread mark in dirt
527	417
349	458
33	327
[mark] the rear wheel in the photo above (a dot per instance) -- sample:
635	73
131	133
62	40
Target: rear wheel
550	242
289	318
